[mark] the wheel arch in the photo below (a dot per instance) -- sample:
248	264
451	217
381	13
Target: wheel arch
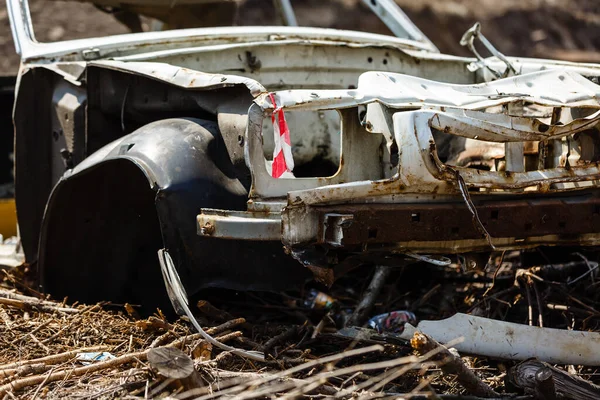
106	219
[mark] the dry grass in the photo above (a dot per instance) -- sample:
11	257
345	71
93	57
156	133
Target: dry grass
39	339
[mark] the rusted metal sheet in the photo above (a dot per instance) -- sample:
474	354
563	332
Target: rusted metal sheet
354	225
254	225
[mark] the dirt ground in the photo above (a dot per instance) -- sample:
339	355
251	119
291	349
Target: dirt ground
566	29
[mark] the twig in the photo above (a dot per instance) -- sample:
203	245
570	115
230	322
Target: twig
455	397
453	365
40	386
54	376
376	383
209	310
53	359
251	343
36	306
240	385
227	337
62	374
161	339
37	341
282	337
321	378
124	386
211	331
6	294
24	370
366	304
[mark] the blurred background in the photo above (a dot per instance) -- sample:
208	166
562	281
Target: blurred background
565	29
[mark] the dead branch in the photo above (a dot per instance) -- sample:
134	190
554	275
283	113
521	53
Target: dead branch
230	376
238	385
161	339
453	397
452	365
227	337
36	305
7	294
211	311
54	376
250	343
24	370
361	312
53	359
124	359
530	376
211	331
282	337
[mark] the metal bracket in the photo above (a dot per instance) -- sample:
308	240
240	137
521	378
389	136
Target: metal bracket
468	39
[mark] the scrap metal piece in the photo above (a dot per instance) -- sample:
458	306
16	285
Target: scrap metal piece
11	252
285	10
440	261
230	224
569	89
507	340
398	22
178	297
370	336
475	33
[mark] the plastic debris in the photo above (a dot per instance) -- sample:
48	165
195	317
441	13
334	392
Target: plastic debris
316	300
11	252
88	358
511	341
392	322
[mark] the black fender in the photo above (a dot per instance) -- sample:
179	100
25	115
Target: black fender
106	219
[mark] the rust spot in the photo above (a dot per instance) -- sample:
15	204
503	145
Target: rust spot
510	333
208	229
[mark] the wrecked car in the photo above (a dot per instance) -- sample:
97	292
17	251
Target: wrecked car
257	157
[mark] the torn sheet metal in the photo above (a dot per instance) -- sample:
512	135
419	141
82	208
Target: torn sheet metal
421	170
404	91
11	252
179	298
507	340
182	77
473	112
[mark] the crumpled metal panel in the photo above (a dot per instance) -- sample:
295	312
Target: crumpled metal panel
550	88
182	77
460	110
421	171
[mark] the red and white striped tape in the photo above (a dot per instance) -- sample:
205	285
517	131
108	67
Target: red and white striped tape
283	160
